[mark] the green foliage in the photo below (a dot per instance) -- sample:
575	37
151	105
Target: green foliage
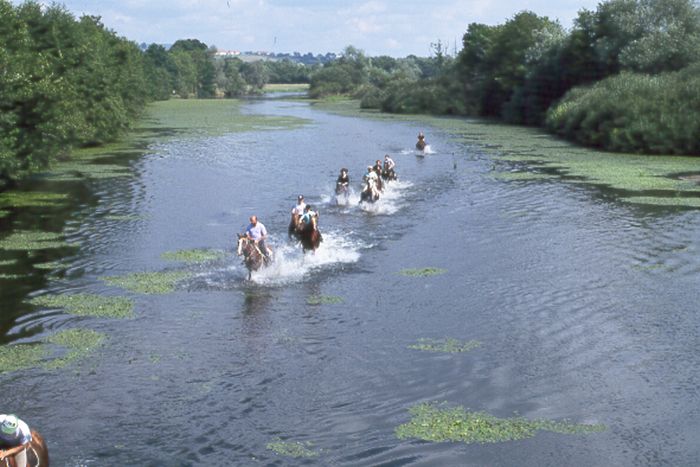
148	282
634	113
296	449
87	305
447	345
432	422
193	256
324	300
423	272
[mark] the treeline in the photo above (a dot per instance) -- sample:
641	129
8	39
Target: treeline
624	78
67	82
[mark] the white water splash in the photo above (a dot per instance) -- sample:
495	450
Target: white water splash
291	264
390	200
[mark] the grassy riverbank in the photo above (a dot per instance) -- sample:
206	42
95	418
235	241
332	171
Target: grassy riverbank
523	153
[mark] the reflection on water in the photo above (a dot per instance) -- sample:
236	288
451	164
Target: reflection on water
585	308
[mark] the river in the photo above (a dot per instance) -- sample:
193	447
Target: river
585	309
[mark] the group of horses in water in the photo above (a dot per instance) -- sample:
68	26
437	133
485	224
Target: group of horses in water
307	233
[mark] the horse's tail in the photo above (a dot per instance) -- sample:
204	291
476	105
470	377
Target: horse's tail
38	452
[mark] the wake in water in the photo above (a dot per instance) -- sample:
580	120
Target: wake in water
291	264
390	201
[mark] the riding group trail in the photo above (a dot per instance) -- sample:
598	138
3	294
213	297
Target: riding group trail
309	236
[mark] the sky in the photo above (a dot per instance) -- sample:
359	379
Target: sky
378	27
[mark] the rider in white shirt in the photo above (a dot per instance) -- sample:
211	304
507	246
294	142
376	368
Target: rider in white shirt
257	232
297	212
15	437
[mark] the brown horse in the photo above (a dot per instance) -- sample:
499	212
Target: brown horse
252	256
37	453
420	144
310	237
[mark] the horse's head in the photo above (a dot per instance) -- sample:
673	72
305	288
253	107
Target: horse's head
242	242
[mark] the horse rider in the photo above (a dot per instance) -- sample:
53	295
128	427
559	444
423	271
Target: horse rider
388	170
421	141
378	170
309	218
257	232
297	212
371	181
343	181
15	437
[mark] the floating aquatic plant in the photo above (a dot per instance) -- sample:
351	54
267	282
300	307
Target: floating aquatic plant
324	300
51	265
7	262
422	272
433	422
9	277
78	342
664	201
448	345
292	448
20	356
32	240
148	282
88	305
193	256
23	199
4	213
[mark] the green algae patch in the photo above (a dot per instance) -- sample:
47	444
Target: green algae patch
447	345
33	240
422	272
9	277
7	262
79	170
296	449
4	213
324	300
25	199
78	344
88	305
433	422
148	282
20	356
193	256
49	266
679	201
75	344
211	117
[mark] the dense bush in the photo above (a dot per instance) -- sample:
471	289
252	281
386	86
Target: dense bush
656	114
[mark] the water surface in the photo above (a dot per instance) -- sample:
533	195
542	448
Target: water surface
586	308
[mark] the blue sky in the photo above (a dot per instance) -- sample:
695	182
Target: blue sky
379	27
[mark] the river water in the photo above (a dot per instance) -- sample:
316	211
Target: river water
586	310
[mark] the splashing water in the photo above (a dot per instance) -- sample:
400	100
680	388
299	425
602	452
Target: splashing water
390	201
292	265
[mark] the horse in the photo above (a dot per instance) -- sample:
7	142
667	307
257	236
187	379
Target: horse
252	256
37	453
342	193
369	193
420	144
389	175
310	237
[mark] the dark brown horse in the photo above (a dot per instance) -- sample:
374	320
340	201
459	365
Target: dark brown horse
310	237
37	453
420	144
252	256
